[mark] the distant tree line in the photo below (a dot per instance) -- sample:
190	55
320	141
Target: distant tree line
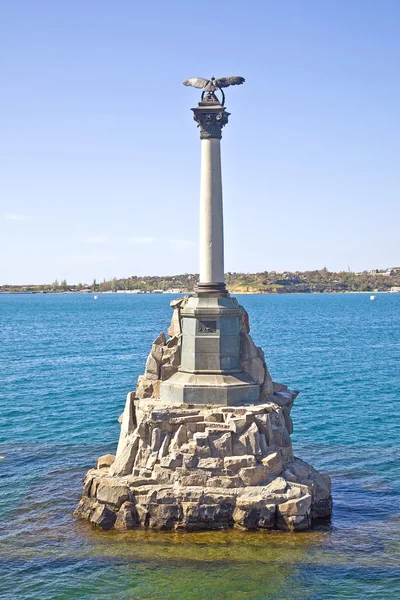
268	282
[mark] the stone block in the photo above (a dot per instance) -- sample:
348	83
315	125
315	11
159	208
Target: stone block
196	516
252	440
179	438
175	327
296	507
127	517
172	461
239	445
267	516
235	463
164	444
103	517
160	340
277	486
186	420
201	439
238	424
253	475
156	439
221	445
197	478
282	437
85	508
210	463
163	516
274	463
190	461
111	491
248	349
224	481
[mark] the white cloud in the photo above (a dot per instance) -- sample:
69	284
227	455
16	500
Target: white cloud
96	239
16	217
141	240
179	244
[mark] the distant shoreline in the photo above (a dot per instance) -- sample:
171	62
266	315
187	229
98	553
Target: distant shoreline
320	281
239	292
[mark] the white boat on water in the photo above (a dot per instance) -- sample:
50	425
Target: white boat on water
372	297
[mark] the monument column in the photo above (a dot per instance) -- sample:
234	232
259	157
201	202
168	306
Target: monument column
210	362
211	118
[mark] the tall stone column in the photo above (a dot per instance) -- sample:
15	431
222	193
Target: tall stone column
211	118
210	371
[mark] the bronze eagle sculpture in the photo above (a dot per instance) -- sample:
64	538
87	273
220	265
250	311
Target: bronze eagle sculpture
211	85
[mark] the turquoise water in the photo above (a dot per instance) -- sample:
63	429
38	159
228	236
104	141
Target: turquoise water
66	364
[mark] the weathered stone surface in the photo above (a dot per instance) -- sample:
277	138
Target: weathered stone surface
253	515
297	506
156	439
163	516
277	486
235	463
255	368
188	419
253	441
179	438
127	517
197	478
160	340
224	482
248	349
85	508
267	516
238	424
105	461
172	461
295	514
210	463
145	387
175	328
274	463
244	320
153	363
221	445
103	517
196	516
126	454
171	358
164	445
111	491
253	475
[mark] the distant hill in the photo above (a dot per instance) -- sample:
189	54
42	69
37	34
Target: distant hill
268	282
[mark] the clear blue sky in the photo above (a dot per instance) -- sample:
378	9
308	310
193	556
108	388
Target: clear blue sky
100	157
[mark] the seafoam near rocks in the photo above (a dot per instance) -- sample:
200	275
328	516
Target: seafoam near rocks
204	467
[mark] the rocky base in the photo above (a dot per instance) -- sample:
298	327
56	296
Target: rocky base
193	467
205	468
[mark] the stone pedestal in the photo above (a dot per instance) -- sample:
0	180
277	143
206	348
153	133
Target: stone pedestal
210	370
186	464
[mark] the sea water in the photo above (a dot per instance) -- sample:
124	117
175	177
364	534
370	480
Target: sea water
66	364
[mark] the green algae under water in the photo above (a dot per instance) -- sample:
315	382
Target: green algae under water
66	364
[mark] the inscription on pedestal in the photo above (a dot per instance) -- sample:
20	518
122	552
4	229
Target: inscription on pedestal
206	326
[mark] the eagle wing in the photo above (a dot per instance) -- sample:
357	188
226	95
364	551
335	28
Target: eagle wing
197	82
224	82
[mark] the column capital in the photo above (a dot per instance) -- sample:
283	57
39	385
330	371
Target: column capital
211	117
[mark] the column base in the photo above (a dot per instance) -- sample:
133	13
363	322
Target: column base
234	389
211	288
